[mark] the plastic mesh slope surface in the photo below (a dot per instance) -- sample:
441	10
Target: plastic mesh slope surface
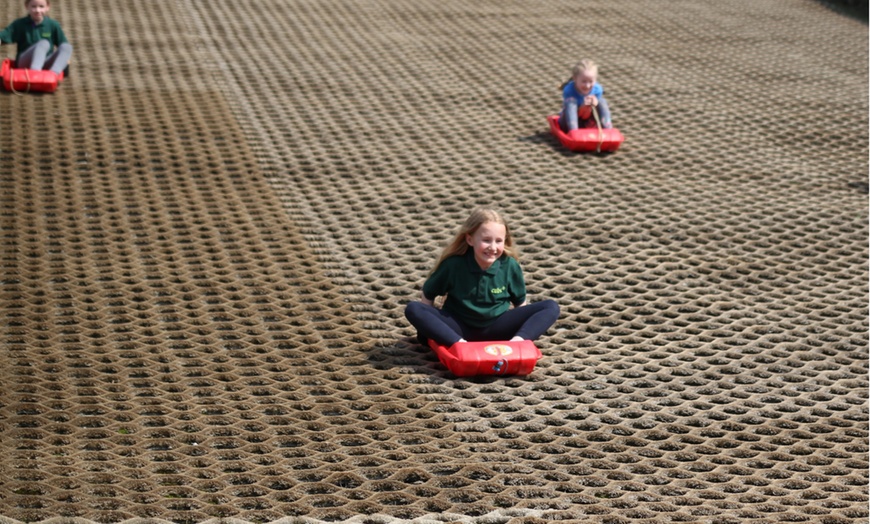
208	235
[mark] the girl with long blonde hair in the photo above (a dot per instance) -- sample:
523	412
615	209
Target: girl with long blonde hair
480	277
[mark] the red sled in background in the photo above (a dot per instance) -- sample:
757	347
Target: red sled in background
468	359
587	140
28	80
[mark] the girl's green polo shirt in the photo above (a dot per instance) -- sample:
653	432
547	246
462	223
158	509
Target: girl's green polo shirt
475	296
24	33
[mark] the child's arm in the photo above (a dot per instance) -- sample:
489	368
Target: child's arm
604	113
425	300
6	35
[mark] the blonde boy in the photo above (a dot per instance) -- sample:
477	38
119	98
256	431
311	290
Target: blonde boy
580	95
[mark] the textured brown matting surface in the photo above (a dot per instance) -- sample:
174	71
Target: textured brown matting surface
210	231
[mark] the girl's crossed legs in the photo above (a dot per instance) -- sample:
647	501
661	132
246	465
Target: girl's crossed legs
528	322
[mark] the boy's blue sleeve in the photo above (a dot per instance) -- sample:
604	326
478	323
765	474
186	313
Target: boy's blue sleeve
568	90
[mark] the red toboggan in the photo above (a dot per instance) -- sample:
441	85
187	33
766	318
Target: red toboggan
28	80
468	359
591	139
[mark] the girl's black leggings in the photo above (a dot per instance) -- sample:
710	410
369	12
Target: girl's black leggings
529	322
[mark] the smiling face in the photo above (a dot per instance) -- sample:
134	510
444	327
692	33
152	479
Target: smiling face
37	9
488	243
584	80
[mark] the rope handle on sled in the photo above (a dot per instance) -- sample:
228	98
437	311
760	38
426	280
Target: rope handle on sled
600	132
12	81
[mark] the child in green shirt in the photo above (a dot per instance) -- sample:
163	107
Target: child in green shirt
40	40
482	279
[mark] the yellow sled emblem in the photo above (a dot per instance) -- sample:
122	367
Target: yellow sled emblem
498	350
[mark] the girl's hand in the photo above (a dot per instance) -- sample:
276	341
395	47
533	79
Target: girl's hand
590	100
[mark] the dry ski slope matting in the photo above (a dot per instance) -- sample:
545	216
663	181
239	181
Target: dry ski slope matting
210	231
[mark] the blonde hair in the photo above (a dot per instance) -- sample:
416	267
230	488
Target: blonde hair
477	218
584	65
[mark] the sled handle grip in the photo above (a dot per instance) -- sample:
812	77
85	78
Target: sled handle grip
12	81
600	132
